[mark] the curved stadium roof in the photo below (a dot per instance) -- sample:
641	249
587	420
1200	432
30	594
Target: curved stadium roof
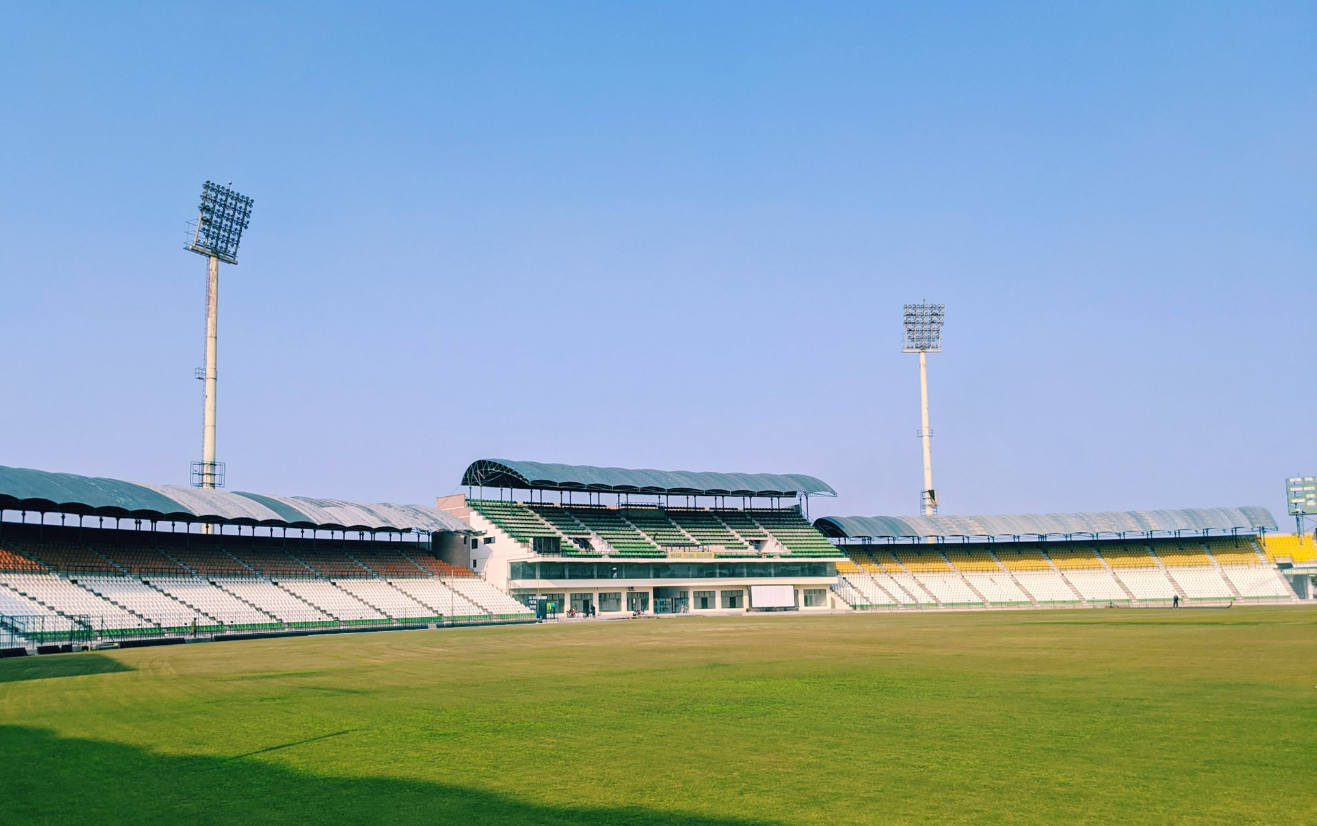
504	473
39	490
1042	524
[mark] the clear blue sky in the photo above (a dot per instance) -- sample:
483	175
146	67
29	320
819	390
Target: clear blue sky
671	235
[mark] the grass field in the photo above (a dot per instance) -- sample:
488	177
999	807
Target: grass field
1114	716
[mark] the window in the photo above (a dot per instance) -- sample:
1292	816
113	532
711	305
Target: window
706	600
733	599
816	597
610	601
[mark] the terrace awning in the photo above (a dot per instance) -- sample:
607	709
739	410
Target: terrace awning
1249	518
39	490
505	473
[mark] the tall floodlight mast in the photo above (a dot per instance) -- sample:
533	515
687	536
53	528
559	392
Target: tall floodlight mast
224	215
923	335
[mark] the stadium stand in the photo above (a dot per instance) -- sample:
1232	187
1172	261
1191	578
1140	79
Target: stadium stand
919	560
485	596
1257	582
949	589
1126	555
1022	557
13	561
1097	585
1146	583
145	601
1046	586
388	600
1074	556
332	600
140	583
1182	553
996	587
707	529
1290	548
216	603
654	523
1201	582
1154	569
439	598
277	602
1234	550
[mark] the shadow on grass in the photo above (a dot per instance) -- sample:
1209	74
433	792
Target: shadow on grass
51	779
50	666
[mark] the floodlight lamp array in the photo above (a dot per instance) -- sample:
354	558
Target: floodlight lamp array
923	327
224	215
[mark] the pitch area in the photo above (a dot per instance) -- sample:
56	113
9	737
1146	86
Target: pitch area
1106	716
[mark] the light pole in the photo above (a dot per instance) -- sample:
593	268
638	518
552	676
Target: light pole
224	215
923	335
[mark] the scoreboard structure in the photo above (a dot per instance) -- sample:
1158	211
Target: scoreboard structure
1301	498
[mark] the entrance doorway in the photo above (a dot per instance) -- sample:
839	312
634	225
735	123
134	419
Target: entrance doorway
582	603
671	600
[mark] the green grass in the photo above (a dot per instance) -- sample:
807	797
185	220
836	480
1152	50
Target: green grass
1101	717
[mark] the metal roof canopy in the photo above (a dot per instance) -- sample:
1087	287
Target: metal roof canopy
1250	518
39	490
504	473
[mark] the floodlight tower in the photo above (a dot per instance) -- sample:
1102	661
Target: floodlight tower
224	215
923	335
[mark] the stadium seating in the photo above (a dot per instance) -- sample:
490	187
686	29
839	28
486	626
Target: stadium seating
66	597
997	587
11	560
706	528
441	599
865	593
214	602
1234	550
919	559
1046	586
742	524
1146	583
65	555
1022	558
970	557
1127	555
1096	585
793	532
269	561
1204	582
275	601
1290	547
656	525
515	519
848	566
384	597
492	600
562	519
334	601
210	561
625	539
158	607
949	589
388	562
1257	582
15	604
329	562
1181	553
1070	556
219	582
